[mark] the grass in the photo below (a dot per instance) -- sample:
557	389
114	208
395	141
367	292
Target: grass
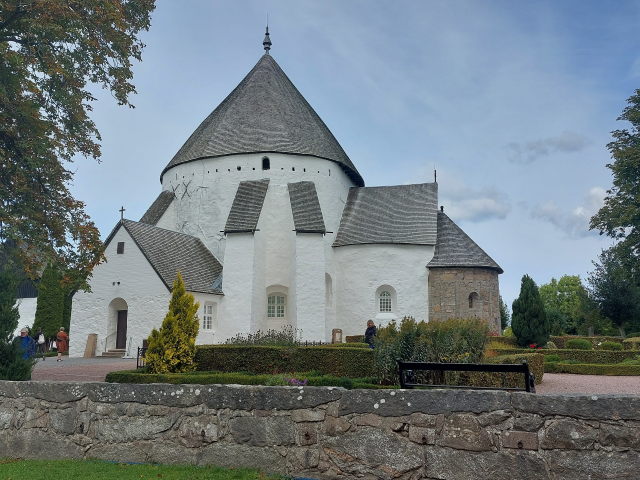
99	470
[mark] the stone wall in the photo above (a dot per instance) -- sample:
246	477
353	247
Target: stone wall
327	432
449	290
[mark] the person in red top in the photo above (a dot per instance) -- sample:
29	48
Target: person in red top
62	342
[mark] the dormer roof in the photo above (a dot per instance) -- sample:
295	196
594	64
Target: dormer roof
265	113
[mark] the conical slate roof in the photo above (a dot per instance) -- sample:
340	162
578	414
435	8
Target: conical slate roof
454	248
264	113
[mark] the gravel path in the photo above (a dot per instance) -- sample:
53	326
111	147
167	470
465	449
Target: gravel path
588	384
80	369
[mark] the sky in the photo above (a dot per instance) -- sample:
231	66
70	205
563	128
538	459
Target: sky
512	103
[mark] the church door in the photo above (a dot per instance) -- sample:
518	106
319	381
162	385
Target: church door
121	335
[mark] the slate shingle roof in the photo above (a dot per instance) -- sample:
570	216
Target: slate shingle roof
169	252
454	248
264	113
246	207
305	206
158	207
398	214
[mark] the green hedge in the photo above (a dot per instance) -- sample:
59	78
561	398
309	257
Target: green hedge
354	339
585	356
342	362
578	344
632	343
561	341
237	378
592	369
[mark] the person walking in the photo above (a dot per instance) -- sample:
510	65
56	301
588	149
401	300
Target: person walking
26	343
40	342
370	333
62	342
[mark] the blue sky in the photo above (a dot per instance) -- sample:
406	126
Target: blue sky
512	102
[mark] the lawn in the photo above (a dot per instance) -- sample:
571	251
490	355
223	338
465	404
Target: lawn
98	470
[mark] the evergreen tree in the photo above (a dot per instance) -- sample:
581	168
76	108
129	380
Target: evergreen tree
172	349
50	307
12	365
505	317
528	319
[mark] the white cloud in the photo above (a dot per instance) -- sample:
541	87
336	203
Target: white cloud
574	223
527	152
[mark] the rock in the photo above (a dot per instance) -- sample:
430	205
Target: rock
198	431
569	433
335	425
262	431
594	407
226	454
63	420
625	436
422	435
519	440
129	429
306	415
528	422
593	465
368	419
463	431
307	433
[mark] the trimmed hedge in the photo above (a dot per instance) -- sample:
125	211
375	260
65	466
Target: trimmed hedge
561	341
585	356
592	369
579	344
237	378
610	346
354	339
342	362
631	343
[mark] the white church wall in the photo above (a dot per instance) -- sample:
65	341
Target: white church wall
27	311
127	276
169	219
205	190
310	286
208	336
362	269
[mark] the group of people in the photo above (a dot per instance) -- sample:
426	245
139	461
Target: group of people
36	345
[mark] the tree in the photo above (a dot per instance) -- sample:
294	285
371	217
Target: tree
172	349
619	217
528	319
12	365
50	306
50	50
563	303
615	289
505	317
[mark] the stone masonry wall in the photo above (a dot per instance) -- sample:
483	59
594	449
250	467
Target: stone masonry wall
327	432
449	290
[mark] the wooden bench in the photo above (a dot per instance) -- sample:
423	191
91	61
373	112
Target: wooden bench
408	377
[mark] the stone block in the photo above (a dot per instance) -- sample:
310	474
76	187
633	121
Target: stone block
463	432
302	459
569	434
519	440
423	420
262	431
129	429
624	436
6	418
335	426
368	419
63	420
225	454
528	422
422	435
593	464
589	407
308	415
198	431
494	418
306	433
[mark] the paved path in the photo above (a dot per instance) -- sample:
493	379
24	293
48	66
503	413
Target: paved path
95	369
79	369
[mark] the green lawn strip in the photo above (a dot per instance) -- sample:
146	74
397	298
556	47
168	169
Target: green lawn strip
100	470
591	368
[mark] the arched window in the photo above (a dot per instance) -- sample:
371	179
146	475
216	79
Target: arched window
276	306
473	299
266	164
385	301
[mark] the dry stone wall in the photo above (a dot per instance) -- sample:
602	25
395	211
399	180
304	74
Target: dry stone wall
327	432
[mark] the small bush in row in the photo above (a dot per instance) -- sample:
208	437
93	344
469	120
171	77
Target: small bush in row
579	344
632	343
610	346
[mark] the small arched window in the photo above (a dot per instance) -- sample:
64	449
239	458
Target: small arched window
276	306
385	301
473	299
266	164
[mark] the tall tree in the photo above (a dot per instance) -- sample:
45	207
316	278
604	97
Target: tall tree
12	365
615	289
173	348
619	217
50	50
505	316
50	306
528	319
564	303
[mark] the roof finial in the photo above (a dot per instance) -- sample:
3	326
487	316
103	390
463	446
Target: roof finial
266	43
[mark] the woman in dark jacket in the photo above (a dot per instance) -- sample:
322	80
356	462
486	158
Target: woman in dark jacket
370	333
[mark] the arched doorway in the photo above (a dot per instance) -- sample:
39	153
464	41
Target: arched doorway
117	330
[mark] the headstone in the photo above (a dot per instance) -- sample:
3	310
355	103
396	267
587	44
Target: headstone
336	335
92	343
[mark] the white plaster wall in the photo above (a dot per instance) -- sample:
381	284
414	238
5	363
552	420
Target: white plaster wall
208	337
310	286
361	269
140	287
27	311
169	219
205	190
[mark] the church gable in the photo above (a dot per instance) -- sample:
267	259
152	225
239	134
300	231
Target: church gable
401	214
246	207
305	206
153	215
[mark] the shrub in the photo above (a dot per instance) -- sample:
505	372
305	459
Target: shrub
552	358
508	332
632	343
529	320
551	345
610	346
579	344
173	347
583	356
286	336
454	340
562	340
257	359
593	369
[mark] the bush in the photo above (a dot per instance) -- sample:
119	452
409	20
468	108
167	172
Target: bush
632	343
528	319
551	345
610	346
579	344
593	369
354	339
454	340
582	356
287	336
241	378
508	332
552	358
561	341
348	345
257	359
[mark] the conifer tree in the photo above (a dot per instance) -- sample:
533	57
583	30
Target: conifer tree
172	349
50	306
528	319
12	365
